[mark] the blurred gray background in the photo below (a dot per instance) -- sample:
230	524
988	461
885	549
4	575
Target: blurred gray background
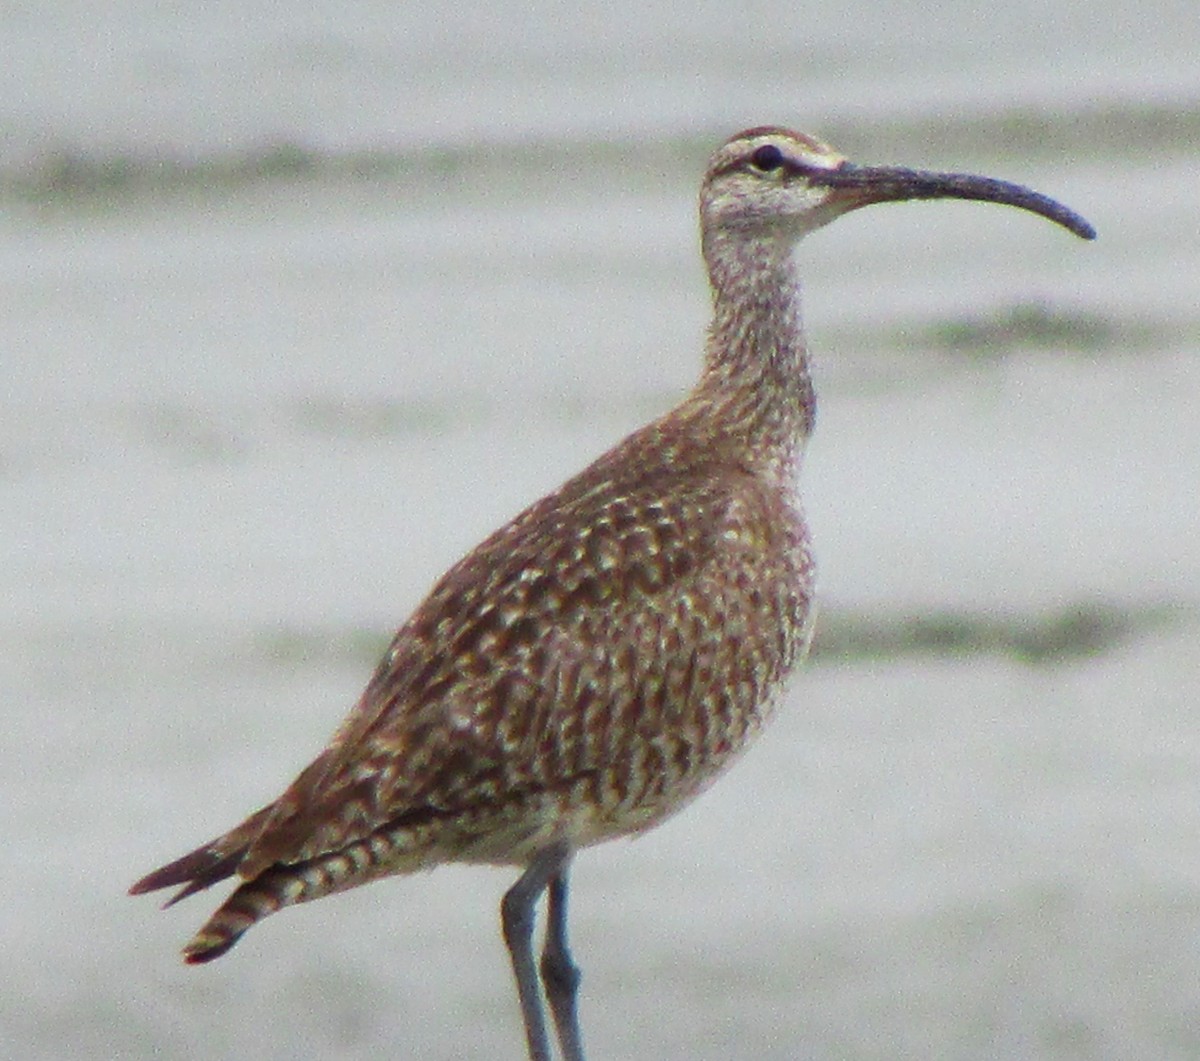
294	308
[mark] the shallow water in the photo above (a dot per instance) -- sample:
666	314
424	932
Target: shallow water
293	311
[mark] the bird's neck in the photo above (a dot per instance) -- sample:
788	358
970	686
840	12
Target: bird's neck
756	374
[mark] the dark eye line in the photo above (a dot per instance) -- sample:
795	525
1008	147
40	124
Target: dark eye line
768	158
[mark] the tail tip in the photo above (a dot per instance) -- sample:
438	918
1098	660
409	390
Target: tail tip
206	946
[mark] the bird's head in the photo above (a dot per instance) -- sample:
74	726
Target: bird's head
771	182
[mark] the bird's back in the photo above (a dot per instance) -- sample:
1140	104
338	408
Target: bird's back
581	674
585	669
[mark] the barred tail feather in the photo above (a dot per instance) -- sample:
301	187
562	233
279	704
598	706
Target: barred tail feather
380	854
245	907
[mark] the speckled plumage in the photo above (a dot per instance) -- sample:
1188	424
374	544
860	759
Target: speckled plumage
596	662
588	668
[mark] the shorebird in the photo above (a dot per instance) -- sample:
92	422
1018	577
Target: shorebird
597	662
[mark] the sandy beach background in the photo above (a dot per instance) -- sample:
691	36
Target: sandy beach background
294	308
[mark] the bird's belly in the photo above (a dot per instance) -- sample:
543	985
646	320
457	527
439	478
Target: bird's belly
656	774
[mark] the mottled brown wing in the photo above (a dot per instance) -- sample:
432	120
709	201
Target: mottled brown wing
555	651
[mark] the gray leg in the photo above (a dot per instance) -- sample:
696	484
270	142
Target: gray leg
560	974
516	918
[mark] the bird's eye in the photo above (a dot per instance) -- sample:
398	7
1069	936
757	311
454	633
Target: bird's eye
767	158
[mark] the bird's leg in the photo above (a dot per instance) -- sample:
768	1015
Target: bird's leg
560	974
516	918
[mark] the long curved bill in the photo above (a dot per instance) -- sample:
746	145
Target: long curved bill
863	185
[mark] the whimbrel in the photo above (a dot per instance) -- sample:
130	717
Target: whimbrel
599	660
